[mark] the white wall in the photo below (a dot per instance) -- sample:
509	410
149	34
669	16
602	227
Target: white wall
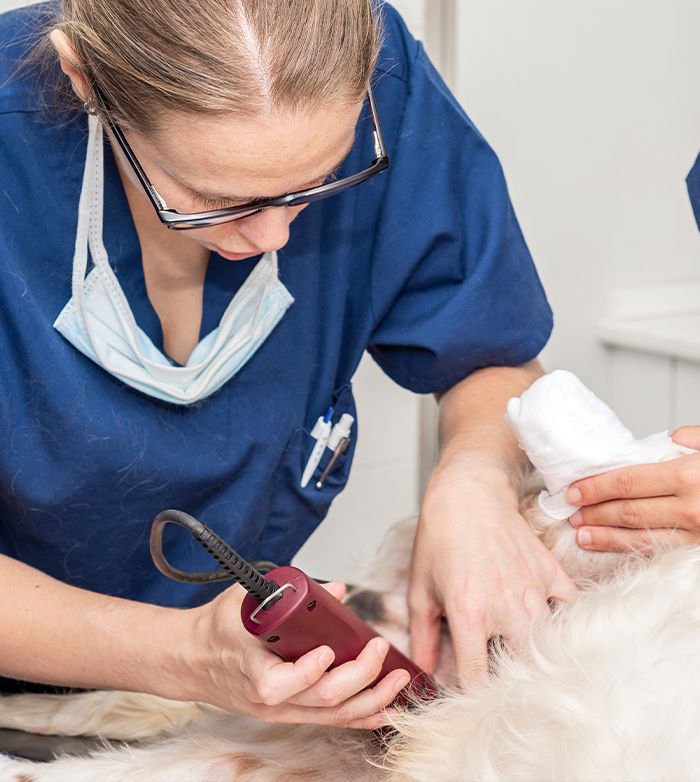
413	13
594	110
6	5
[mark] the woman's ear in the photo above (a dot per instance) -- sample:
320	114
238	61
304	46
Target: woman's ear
69	59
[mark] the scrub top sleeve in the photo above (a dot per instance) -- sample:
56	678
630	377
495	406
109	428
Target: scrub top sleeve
453	285
693	182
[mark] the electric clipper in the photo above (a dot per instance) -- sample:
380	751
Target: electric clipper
286	609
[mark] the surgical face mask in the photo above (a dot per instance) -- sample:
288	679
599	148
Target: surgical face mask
98	321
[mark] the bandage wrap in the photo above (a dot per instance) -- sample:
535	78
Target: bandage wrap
569	434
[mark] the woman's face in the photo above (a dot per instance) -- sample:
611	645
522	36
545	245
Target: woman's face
200	163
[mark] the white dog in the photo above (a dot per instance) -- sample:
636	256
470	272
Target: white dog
608	690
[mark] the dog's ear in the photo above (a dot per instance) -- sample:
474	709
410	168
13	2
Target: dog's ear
367	604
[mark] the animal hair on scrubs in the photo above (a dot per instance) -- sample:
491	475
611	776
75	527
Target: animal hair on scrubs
423	265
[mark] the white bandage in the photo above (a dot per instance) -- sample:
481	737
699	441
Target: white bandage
569	434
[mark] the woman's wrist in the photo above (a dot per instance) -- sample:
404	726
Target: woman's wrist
474	435
501	471
467	473
162	653
64	635
209	641
137	646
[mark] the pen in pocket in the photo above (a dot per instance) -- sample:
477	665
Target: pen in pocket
338	442
322	432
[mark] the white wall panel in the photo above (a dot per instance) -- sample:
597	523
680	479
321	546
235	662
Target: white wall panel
686	409
413	13
642	390
593	109
7	5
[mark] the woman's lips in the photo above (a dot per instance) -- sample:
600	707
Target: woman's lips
232	256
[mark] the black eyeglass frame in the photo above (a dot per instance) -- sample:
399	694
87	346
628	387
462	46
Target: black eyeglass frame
184	222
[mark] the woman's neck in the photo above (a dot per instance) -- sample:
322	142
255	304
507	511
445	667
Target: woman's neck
174	268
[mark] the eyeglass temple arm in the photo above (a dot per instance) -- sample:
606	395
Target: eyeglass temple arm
379	147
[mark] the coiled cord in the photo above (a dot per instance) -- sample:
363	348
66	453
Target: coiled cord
233	566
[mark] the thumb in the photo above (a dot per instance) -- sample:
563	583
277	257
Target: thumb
336	588
689	436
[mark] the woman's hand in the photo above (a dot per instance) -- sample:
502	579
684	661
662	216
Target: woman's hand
636	508
476	561
229	668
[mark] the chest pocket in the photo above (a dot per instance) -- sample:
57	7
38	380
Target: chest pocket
295	512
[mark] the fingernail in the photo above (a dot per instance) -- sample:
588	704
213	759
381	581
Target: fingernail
401	681
326	658
577	519
584	537
574	496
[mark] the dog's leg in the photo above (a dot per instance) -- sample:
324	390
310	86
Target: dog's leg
157	763
125	716
560	538
221	748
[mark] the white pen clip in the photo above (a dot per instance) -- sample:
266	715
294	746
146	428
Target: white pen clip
321	432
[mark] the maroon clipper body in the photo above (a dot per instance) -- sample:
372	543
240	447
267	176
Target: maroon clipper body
308	616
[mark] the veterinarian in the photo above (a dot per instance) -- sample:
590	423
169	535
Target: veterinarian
649	504
147	368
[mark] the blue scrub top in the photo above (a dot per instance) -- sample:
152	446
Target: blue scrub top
424	265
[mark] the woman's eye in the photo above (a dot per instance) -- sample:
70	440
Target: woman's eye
331	177
211	203
217	203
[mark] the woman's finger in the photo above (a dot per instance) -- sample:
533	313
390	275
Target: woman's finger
364	710
289	713
275	681
617	539
371	701
533	611
346	680
375	721
646	513
425	630
336	588
562	587
469	639
689	436
642	480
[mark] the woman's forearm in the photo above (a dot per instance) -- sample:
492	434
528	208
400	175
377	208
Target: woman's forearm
58	634
472	416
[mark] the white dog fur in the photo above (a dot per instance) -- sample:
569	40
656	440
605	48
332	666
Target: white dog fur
609	689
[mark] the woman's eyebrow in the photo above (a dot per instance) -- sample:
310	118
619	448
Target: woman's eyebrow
217	197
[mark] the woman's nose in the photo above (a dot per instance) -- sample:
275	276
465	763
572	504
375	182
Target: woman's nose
268	230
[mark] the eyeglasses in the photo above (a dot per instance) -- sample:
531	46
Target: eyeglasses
185	222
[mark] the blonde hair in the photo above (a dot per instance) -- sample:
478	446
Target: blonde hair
149	57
